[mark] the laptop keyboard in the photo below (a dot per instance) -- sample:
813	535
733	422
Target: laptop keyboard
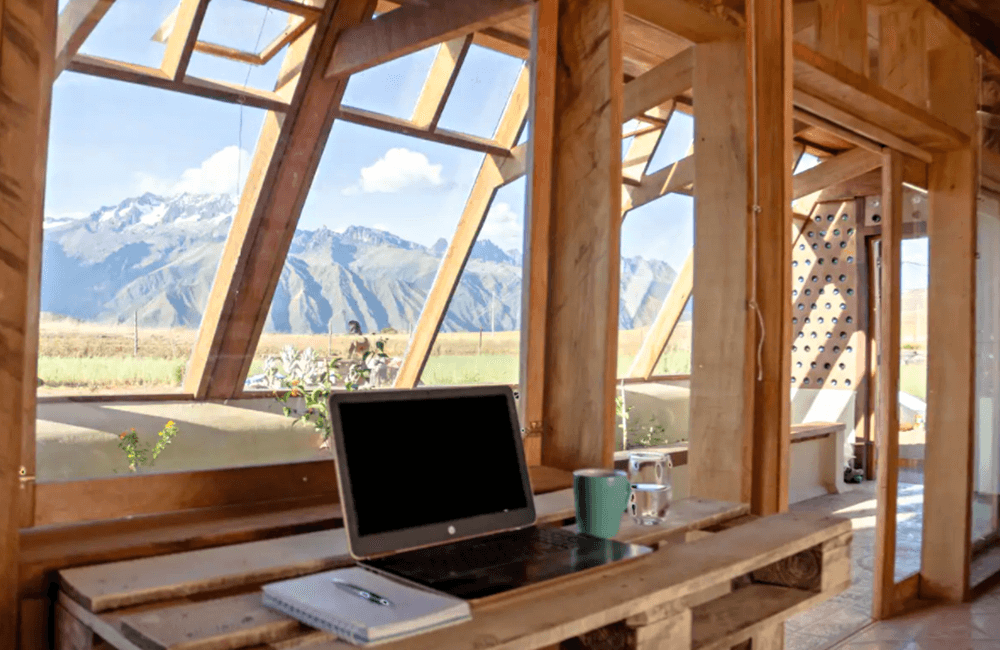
481	553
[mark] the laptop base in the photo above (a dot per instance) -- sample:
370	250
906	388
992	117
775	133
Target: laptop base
492	564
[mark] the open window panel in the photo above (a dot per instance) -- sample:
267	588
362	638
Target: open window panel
367	248
140	199
986	476
479	341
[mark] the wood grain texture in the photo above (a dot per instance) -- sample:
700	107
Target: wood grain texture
414	27
686	18
661	84
951	334
842	32
76	21
182	39
582	313
722	344
888	380
70	632
838	169
492	176
27	48
233	622
440	80
281	173
902	58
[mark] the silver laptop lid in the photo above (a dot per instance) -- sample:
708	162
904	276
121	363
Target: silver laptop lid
427	466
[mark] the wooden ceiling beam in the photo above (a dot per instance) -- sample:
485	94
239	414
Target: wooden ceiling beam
837	169
440	81
182	39
686	18
291	7
659	85
285	162
297	26
76	22
412	28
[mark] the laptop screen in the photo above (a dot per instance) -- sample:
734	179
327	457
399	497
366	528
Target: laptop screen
418	459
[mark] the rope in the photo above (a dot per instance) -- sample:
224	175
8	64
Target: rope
239	136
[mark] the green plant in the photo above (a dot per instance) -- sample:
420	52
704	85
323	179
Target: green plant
139	455
651	434
304	374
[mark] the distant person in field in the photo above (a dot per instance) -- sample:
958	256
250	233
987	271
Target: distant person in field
354	327
358	346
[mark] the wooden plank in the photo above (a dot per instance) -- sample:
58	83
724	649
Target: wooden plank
640	151
183	36
659	85
581	315
27	51
684	515
96	499
153	77
440	81
296	27
225	52
70	632
843	89
412	28
733	618
902	58
888	386
233	622
655	342
834	170
769	32
291	6
951	334
76	22
406	127
135	582
491	178
281	173
719	462
686	18
842	32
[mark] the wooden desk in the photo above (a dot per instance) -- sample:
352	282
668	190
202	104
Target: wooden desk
210	599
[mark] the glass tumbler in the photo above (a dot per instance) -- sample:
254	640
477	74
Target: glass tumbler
649	475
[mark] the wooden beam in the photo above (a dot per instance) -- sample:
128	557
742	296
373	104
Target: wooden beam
659	85
722	337
291	7
842	32
952	231
183	36
76	21
830	82
27	67
406	127
686	18
411	28
296	27
887	416
902	57
770	33
643	146
155	78
281	173
440	80
666	321
493	174
225	52
835	170
580	242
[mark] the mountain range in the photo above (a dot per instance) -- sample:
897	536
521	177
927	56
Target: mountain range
157	256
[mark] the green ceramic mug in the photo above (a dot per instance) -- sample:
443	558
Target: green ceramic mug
601	496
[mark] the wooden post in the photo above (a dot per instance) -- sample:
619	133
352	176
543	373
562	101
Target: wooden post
742	256
887	417
842	32
27	59
573	227
951	328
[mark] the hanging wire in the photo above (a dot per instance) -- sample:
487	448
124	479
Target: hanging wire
239	138
756	209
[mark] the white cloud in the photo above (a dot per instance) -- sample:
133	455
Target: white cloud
504	227
216	175
397	170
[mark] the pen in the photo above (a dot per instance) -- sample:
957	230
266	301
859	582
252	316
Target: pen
361	593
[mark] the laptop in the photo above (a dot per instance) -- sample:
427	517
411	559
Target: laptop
435	490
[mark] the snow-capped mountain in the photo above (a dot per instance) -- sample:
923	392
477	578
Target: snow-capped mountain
158	256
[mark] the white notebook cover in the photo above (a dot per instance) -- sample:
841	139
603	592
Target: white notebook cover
318	601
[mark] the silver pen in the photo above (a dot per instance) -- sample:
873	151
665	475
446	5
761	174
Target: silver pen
362	593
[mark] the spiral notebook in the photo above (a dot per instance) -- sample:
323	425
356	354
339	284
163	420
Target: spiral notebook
364	607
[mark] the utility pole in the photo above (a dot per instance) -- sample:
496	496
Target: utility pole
135	334
493	302
329	327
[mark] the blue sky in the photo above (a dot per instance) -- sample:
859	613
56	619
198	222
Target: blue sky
112	140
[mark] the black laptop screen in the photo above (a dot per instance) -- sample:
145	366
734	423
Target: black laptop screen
418	462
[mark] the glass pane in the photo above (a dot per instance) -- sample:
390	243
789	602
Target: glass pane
676	142
133	240
481	91
393	87
480	339
912	404
986	477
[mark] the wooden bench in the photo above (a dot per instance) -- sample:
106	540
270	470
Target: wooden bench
210	599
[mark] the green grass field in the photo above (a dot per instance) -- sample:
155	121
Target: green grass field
913	380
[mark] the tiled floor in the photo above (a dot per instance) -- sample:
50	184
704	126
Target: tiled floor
837	619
